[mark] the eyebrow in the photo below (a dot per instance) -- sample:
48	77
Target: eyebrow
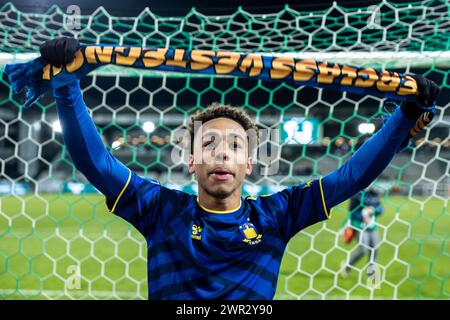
236	135
233	135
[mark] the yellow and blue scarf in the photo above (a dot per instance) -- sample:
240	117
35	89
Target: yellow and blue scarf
37	76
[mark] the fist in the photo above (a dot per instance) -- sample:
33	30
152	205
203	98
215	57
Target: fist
428	93
428	90
59	51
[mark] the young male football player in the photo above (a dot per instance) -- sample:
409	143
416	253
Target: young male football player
364	208
218	245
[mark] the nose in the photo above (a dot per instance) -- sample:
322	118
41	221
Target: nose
221	153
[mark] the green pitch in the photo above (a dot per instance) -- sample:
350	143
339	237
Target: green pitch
42	237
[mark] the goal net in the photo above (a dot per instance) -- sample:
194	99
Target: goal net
57	239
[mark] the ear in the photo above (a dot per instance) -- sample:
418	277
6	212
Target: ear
191	167
249	166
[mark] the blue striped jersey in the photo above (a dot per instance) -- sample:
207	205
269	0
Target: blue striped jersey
197	253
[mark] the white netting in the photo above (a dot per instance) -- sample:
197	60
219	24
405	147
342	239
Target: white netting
57	239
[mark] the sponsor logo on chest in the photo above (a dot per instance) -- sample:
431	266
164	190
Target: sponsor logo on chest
196	232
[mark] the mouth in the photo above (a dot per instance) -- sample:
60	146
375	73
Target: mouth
221	174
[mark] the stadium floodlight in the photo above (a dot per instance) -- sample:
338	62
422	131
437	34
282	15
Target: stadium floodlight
57	126
116	144
148	126
366	128
37	126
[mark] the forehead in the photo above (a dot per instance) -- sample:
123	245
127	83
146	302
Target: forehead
223	125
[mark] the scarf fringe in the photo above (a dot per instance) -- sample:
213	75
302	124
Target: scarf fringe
26	77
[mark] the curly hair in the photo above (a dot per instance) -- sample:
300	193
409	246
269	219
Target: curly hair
218	110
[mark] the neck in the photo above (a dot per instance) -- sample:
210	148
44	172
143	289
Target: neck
208	201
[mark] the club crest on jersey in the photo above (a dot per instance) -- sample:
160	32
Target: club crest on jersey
251	235
196	232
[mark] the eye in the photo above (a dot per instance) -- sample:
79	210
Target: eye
235	145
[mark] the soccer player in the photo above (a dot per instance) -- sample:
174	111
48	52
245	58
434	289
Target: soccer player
364	208
218	245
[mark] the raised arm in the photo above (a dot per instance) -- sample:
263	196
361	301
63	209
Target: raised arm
377	152
128	195
80	135
368	162
85	145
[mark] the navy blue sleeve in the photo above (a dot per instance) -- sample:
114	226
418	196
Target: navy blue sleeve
368	162
84	144
296	207
119	184
138	203
147	205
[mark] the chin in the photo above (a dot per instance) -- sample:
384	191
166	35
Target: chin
220	193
